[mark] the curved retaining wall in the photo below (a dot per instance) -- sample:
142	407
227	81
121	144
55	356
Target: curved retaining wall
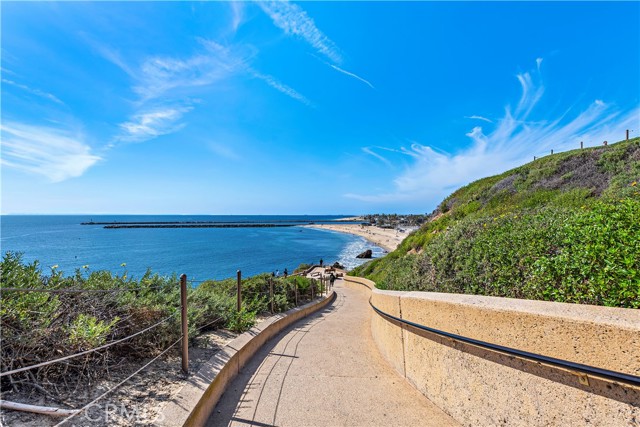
196	400
479	387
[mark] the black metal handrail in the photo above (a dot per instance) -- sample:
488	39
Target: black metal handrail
584	369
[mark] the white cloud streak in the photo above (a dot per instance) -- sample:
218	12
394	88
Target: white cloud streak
237	10
224	151
513	141
54	153
383	159
479	118
153	123
281	87
352	75
33	91
163	82
159	75
292	19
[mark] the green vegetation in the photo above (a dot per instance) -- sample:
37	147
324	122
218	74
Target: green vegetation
41	326
562	228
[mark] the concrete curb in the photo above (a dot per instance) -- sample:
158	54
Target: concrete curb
196	400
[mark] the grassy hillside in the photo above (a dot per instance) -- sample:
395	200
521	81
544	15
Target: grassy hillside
565	227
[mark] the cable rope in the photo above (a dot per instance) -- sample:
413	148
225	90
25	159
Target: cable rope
27	368
77	291
88	405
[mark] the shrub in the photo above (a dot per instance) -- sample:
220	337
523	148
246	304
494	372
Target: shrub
40	326
562	228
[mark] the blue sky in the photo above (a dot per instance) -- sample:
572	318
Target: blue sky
300	108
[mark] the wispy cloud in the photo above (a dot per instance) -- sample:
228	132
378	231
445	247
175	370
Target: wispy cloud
54	153
352	75
292	19
274	83
6	71
370	152
153	123
159	75
237	11
162	82
223	151
110	54
514	141
531	94
479	118
33	91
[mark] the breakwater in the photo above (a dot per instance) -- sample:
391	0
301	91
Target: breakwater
299	221
205	253
202	225
209	224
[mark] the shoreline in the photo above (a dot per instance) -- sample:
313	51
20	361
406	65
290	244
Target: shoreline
388	239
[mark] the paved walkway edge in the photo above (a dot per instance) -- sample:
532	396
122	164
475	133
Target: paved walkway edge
197	399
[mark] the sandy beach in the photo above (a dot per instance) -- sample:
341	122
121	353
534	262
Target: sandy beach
383	237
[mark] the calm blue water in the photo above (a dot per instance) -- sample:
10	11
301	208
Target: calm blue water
202	253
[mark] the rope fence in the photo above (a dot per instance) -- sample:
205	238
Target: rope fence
102	347
78	291
268	291
94	401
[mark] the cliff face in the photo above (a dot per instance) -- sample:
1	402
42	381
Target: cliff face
563	228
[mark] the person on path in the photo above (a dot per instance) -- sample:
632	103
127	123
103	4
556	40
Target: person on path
320	262
286	273
332	279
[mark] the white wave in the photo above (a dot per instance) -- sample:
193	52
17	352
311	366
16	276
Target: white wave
347	256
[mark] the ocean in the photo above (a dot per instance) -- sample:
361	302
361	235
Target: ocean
201	253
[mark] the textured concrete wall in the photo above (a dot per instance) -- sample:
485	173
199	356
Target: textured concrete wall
482	387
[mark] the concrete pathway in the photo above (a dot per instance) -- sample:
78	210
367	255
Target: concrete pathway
325	371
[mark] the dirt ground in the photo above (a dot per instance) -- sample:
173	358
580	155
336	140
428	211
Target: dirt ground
138	402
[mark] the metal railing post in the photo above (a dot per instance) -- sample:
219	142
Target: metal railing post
239	292
313	282
185	324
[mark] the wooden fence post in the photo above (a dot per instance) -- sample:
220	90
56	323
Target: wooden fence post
271	294
185	324
239	292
